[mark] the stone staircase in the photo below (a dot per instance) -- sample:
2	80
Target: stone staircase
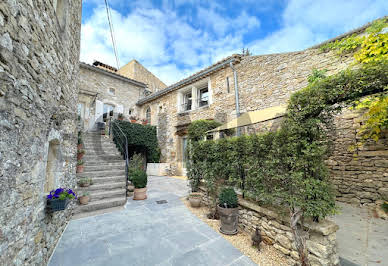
104	164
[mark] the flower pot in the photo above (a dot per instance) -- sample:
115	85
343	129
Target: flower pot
144	123
120	118
130	188
195	199
54	205
84	200
79	156
80	168
80	146
229	220
133	121
140	193
84	184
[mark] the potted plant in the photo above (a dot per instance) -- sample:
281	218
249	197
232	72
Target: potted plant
80	154
84	199
80	166
195	199
120	117
228	211
80	141
144	121
139	180
59	198
133	119
85	182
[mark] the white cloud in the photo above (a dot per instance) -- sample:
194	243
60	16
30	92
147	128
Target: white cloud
308	22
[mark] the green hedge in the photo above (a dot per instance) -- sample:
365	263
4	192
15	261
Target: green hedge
141	139
287	167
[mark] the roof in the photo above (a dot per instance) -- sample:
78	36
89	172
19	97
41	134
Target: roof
254	117
98	63
113	75
199	75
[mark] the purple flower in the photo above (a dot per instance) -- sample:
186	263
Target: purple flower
49	197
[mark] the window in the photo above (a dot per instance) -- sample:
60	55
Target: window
148	115
203	98
130	112
108	110
227	85
112	91
187	101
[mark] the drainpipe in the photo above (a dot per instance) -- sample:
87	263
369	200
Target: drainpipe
236	95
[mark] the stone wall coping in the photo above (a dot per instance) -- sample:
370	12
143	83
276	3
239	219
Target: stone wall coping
325	227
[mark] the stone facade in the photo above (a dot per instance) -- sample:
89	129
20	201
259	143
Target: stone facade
275	230
137	71
98	87
39	53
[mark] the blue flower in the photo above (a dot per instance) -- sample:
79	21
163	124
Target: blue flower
49	197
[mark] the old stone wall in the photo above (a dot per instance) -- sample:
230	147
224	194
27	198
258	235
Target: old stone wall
108	89
39	53
137	71
275	230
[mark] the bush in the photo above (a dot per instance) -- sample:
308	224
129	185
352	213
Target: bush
228	198
197	130
139	178
135	163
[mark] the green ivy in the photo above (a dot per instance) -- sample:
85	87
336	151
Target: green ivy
287	167
197	129
141	139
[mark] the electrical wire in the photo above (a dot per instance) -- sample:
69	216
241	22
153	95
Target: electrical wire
108	13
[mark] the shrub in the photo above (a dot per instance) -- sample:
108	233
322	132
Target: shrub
139	178
135	163
197	129
228	198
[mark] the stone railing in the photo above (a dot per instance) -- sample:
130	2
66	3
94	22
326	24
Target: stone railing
276	231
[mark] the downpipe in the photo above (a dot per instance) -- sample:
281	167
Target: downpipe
236	92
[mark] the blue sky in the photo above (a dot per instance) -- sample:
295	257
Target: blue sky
174	39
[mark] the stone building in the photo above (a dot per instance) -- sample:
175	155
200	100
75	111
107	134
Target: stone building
103	90
39	53
264	81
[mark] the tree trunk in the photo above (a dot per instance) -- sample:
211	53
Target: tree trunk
299	236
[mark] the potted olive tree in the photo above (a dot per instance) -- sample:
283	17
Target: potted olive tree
84	199
228	211
139	180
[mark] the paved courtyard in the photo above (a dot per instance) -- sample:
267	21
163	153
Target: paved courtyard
362	239
147	233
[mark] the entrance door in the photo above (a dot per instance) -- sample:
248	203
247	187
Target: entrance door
108	108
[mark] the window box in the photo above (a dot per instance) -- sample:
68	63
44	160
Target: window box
55	205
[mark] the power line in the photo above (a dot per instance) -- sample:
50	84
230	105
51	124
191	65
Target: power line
108	13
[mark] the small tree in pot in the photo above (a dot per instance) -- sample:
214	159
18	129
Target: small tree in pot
139	180
228	211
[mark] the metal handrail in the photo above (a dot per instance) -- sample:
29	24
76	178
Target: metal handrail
111	132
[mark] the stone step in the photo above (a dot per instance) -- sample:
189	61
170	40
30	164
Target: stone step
94	155
95	162
98	195
104	167
97	212
104	186
101	204
104	150
102	157
114	176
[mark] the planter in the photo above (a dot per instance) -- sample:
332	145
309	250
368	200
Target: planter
144	123
140	193
84	200
79	156
55	205
130	188
80	168
195	199
80	146
133	121
84	184
229	220
120	118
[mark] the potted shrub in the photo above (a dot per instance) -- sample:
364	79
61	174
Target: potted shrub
228	211
80	166
195	199
133	119
120	117
80	154
85	182
144	121
139	180
84	199
59	198
80	141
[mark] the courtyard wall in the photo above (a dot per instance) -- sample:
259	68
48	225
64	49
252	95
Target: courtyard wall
39	53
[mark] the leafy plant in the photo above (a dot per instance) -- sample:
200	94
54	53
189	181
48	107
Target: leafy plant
80	141
316	75
384	206
135	163
228	198
139	178
197	129
120	115
80	162
61	194
85	194
81	151
85	180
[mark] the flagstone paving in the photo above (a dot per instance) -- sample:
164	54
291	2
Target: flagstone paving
147	233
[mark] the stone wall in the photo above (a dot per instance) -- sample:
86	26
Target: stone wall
275	230
39	53
97	85
137	71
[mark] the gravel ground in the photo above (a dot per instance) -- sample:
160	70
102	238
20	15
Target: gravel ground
267	256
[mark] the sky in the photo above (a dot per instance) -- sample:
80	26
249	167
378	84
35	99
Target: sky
176	38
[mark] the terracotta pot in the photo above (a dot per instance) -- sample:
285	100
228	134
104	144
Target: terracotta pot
229	220
84	200
133	121
79	156
84	184
80	168
130	188
144	123
195	199
140	193
79	146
